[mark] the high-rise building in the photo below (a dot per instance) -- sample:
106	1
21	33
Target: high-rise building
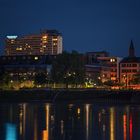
47	42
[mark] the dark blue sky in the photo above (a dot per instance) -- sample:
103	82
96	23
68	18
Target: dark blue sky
86	25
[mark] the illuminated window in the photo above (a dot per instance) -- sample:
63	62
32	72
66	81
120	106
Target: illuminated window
18	49
44	46
54	39
44	37
12	37
112	60
36	58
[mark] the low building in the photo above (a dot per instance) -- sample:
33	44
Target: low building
25	67
129	66
104	59
98	72
113	63
92	56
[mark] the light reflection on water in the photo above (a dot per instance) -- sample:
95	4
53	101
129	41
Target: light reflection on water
63	121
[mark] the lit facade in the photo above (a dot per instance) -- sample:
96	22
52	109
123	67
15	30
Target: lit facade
44	43
113	63
24	68
97	71
129	66
103	58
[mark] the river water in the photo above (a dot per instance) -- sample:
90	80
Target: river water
69	121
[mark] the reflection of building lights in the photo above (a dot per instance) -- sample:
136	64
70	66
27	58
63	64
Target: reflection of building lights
104	127
87	121
46	132
99	117
130	126
62	127
45	135
70	106
11	132
78	111
124	126
112	126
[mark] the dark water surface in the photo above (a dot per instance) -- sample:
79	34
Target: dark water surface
62	121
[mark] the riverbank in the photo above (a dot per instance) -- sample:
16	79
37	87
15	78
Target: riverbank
72	95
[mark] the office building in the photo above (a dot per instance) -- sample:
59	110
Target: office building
47	42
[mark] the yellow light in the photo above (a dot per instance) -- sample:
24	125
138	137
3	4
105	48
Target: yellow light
87	121
45	135
18	49
54	39
36	58
44	37
78	111
112	123
46	131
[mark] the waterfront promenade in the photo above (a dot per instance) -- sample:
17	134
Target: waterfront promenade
72	95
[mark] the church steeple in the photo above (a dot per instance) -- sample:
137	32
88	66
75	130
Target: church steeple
131	50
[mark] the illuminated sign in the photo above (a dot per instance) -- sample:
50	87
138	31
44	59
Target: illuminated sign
12	37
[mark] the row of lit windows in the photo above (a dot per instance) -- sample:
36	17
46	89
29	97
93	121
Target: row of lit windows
23	57
112	60
129	65
133	70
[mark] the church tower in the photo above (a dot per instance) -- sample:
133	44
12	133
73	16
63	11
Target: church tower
131	50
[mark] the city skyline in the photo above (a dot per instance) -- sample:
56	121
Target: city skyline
85	25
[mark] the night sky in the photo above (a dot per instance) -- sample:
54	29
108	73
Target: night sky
86	25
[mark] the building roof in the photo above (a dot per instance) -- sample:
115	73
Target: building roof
97	52
130	60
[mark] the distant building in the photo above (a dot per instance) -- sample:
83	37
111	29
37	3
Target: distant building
44	43
104	59
129	66
92	56
113	63
98	71
25	67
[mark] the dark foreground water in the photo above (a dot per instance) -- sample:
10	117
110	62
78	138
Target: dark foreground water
61	121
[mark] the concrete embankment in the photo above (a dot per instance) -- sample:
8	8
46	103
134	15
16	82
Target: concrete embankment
79	95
